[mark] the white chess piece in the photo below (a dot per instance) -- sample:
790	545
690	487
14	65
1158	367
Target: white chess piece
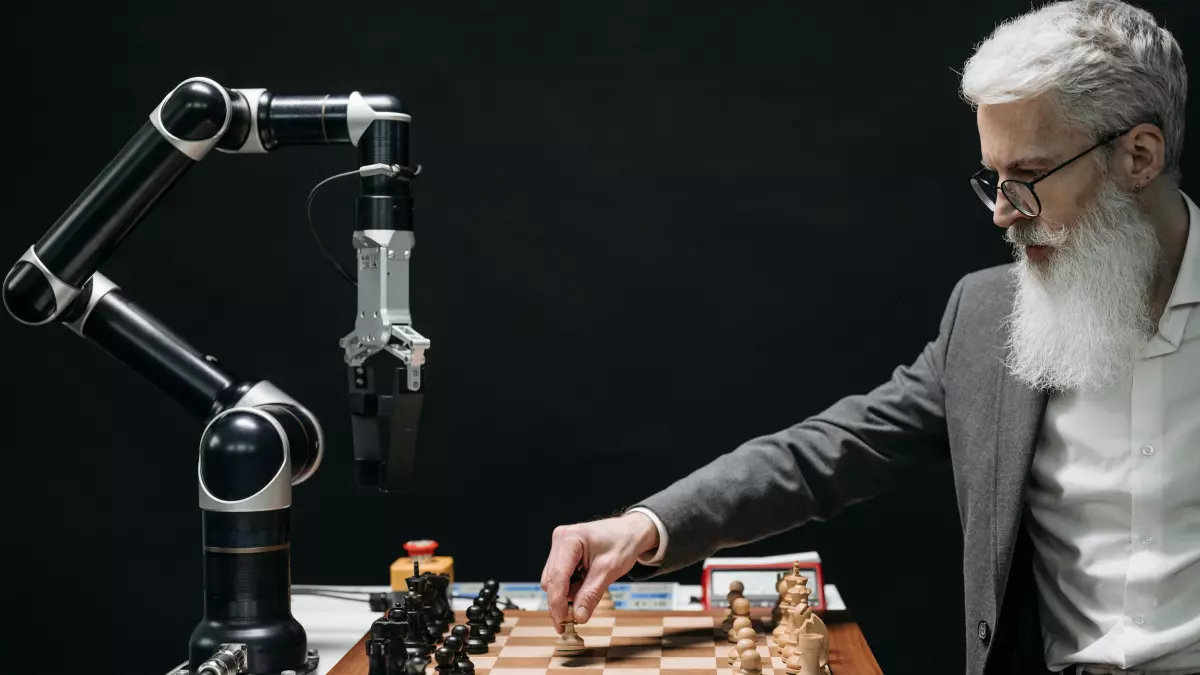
570	641
735	653
751	662
807	659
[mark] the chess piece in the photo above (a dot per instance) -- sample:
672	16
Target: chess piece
791	581
484	631
455	646
606	602
485	600
440	613
735	653
746	633
457	640
807	659
495	587
777	610
751	662
807	621
444	656
417	641
414	666
738	624
477	639
569	642
377	656
736	588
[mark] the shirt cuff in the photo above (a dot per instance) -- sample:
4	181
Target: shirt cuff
661	550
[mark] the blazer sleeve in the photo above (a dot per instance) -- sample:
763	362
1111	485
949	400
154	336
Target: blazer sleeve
856	449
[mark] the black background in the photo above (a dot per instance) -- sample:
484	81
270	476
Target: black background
646	233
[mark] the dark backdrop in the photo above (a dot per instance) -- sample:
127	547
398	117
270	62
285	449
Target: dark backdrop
646	234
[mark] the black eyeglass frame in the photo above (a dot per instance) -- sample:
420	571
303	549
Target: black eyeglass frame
980	184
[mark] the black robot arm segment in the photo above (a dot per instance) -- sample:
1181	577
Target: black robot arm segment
129	333
191	120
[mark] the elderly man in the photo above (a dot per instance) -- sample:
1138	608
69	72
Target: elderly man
1064	388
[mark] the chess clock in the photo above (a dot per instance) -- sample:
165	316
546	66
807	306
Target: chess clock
760	577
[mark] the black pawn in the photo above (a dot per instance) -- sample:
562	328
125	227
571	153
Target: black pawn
457	641
444	656
454	645
487	600
490	621
477	642
494	587
461	633
414	666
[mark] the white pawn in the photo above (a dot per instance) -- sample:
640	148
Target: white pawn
569	642
735	653
751	662
736	588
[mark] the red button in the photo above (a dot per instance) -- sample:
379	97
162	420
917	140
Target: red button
420	548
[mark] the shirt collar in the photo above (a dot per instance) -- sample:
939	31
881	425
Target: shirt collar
1187	284
1186	292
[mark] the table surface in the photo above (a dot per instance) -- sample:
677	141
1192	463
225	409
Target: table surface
635	643
335	626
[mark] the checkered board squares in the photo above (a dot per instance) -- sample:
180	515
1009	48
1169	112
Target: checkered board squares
619	645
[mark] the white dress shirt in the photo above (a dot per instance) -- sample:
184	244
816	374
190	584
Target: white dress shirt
1114	496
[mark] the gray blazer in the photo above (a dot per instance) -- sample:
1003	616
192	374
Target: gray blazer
955	401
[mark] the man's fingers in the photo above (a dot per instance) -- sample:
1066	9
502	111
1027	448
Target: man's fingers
598	579
566	551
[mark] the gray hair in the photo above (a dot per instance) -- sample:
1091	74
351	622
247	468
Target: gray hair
1106	66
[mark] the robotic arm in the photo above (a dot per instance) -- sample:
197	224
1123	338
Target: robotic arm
257	442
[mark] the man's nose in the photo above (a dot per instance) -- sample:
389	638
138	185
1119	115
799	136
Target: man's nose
1005	214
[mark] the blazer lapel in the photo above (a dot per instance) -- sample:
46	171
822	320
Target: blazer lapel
1021	413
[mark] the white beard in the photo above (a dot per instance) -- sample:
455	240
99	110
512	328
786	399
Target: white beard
1081	318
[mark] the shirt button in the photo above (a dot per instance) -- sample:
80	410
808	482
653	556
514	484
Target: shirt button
1147	450
1147	540
1139	619
983	630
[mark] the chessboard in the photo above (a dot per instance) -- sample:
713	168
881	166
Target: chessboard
634	643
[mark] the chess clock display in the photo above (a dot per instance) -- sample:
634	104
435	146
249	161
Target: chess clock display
760	579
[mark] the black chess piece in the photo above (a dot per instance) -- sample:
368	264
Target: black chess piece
444	656
438	585
434	599
477	639
457	641
377	656
417	638
454	645
487	600
484	602
444	588
414	666
495	588
462	633
418	589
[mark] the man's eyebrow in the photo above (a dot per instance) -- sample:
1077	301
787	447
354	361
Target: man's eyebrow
1022	162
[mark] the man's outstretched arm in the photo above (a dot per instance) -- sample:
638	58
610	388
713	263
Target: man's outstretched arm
856	449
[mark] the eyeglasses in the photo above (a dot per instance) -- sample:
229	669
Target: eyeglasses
1020	193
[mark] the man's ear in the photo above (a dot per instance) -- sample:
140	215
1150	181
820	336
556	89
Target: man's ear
1145	153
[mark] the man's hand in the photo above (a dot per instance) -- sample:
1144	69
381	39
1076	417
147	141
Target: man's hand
606	549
